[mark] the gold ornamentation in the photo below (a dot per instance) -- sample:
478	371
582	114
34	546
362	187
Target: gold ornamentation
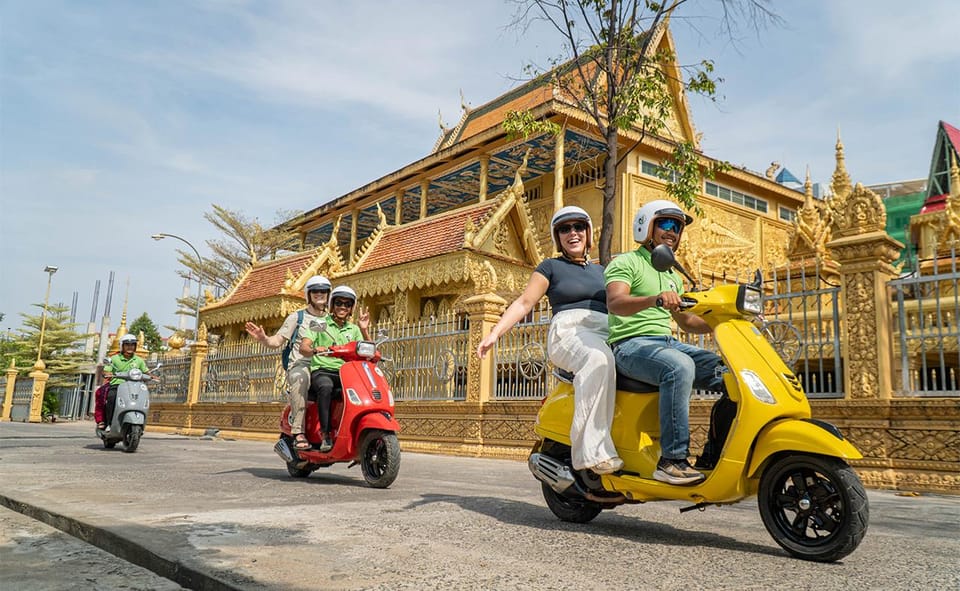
861	330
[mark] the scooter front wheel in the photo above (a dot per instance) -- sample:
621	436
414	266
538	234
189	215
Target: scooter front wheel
815	507
380	458
568	509
131	438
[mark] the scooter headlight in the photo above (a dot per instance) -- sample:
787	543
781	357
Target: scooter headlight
366	349
749	300
757	387
135	374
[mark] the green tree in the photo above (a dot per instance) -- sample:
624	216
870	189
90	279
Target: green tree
151	337
243	242
610	71
62	351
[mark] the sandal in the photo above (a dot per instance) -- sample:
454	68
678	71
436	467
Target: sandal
102	426
300	442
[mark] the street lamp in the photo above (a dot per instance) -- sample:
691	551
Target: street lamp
43	318
161	236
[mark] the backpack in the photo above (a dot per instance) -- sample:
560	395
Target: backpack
288	348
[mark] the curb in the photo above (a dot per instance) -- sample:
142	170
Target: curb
122	547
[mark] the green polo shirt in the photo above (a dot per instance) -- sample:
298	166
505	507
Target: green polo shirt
635	269
119	363
330	335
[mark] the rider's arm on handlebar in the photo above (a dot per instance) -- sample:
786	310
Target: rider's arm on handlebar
621	303
691	323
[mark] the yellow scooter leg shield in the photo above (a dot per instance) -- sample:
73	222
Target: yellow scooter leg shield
802	436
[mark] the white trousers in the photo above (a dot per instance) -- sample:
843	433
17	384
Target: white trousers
578	342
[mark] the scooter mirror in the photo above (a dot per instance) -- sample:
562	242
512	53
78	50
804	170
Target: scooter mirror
662	258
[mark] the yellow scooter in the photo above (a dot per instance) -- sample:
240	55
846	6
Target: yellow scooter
811	501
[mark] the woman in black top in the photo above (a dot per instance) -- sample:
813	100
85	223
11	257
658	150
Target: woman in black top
578	336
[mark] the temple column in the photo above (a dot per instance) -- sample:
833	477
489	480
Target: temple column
484	311
8	392
865	253
353	232
198	353
424	187
484	173
398	214
558	170
39	386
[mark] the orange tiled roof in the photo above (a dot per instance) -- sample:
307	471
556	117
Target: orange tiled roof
424	239
266	280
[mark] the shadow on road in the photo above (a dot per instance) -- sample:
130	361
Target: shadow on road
320	477
610	524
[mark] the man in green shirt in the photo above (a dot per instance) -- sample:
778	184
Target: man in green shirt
642	303
125	360
335	329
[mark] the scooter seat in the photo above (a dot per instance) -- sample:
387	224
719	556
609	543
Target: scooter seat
629	384
623	382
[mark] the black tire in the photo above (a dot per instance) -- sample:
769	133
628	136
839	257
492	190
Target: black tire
815	507
292	470
109	443
380	458
567	509
131	438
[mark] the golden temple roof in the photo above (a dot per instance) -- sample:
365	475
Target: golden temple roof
410	242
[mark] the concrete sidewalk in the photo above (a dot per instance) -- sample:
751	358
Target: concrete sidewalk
215	514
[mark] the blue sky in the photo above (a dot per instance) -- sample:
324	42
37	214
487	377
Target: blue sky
122	119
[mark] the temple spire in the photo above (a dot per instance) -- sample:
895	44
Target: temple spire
808	189
840	184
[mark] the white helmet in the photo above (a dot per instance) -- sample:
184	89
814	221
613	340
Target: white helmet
342	291
128	338
661	208
567	214
317	282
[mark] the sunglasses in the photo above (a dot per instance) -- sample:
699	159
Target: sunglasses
574	227
342	303
318	291
669	225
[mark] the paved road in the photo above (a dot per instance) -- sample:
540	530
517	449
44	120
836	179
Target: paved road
216	514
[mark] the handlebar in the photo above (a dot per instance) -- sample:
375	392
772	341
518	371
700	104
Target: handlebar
685	303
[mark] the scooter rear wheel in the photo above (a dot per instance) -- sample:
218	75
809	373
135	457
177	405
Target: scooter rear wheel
109	443
567	509
814	507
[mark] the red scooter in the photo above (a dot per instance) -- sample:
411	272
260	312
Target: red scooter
361	419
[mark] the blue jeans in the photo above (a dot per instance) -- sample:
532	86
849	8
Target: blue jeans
677	367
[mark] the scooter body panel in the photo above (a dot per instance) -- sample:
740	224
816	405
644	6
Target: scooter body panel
132	403
790	435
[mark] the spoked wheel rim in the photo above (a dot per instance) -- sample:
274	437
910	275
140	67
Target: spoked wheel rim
808	506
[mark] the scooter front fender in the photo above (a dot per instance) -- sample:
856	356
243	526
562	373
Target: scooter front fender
800	435
133	417
377	420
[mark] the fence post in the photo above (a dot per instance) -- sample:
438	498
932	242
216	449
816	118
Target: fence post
484	311
8	391
864	252
198	353
39	386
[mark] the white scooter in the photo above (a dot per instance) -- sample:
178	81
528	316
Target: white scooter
130	411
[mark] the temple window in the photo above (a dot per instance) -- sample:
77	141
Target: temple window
735	197
787	214
655	170
581	177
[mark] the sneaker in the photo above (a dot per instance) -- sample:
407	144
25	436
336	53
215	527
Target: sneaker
608	466
327	445
676	472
